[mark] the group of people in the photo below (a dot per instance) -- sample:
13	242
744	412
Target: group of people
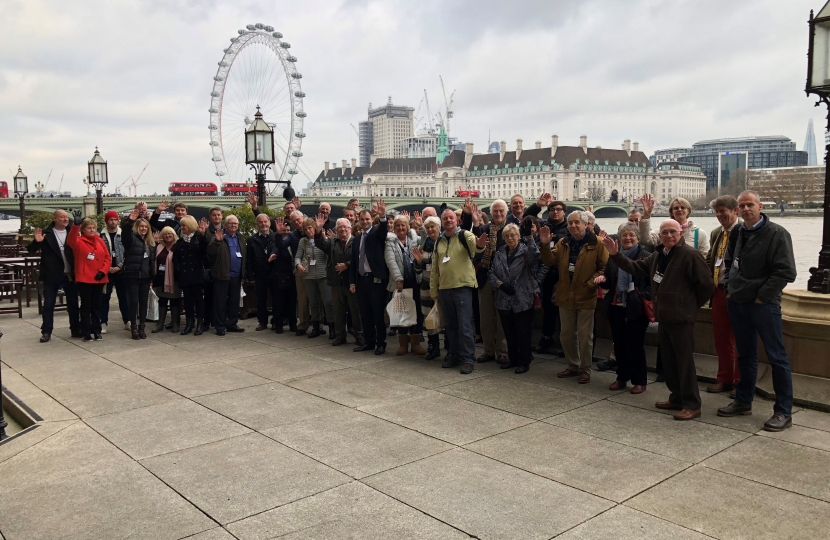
484	273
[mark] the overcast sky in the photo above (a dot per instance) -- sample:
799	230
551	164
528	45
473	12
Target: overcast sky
134	77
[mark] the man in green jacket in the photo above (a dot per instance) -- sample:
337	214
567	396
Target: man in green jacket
226	252
452	284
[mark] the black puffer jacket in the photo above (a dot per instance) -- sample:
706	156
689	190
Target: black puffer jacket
189	260
138	257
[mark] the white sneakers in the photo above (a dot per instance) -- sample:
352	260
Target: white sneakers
104	328
127	326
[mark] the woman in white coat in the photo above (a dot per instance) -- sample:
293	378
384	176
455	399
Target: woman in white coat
404	275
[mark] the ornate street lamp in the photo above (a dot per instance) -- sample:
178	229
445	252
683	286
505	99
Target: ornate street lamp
98	178
259	155
818	83
21	188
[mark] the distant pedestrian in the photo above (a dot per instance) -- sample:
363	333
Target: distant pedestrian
760	263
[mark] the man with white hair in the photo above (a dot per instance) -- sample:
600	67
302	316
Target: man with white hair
325	210
517	210
226	252
339	252
580	258
680	284
292	240
260	246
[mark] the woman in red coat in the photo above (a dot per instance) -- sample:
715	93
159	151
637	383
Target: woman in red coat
92	264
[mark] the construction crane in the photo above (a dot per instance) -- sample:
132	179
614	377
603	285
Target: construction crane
118	188
60	184
429	115
447	103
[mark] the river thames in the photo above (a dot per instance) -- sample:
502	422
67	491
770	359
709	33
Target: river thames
805	231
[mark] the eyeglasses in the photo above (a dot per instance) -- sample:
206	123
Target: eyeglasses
669	233
678	208
557	209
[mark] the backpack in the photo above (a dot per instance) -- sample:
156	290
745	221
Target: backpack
464	243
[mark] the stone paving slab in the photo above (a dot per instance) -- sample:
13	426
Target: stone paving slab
686	441
72	371
341	513
160	356
812	419
213	534
353	388
814	438
203	379
607	469
545	373
419	372
238	477
279	366
446	417
779	464
486	498
35	398
43	431
622	523
356	443
728	507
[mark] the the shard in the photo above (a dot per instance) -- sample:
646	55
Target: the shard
810	145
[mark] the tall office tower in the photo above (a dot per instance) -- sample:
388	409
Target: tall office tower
810	145
366	143
391	124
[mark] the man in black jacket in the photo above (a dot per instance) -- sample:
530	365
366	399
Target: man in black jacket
292	240
369	276
760	263
339	252
260	247
227	254
56	272
179	211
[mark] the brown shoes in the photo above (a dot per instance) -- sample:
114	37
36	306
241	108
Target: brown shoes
668	406
617	385
567	373
718	387
638	389
584	378
687	414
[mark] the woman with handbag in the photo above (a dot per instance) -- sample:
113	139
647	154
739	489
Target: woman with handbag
512	275
92	265
310	263
189	255
164	284
625	304
139	251
402	275
423	265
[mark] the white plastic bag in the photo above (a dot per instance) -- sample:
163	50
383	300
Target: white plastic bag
434	320
152	306
401	309
242	296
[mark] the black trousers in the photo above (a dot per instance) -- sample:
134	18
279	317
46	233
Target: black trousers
138	291
629	346
518	329
371	299
226	302
208	294
262	288
677	345
284	303
194	303
90	295
550	311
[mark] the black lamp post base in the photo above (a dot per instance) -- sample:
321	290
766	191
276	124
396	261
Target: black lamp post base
820	277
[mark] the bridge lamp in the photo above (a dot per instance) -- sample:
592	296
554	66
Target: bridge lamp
21	188
818	83
98	178
259	154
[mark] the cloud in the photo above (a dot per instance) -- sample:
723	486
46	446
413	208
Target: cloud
134	77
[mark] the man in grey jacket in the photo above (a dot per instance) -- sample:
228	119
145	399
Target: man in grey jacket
759	263
112	239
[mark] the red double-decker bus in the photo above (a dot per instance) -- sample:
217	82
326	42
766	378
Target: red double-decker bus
237	188
465	193
4	190
193	188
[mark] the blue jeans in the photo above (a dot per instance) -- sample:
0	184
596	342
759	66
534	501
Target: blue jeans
456	304
749	321
50	297
116	281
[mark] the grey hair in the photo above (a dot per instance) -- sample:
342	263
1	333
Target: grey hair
510	227
401	217
432	220
581	214
229	216
294	213
497	201
629	227
344	220
591	217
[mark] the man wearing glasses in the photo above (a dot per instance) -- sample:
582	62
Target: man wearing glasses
680	284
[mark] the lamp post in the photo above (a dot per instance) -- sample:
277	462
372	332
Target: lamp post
21	188
98	178
259	155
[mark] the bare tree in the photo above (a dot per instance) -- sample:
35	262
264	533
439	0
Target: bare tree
596	193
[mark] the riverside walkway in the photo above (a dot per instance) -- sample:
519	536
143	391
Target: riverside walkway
257	436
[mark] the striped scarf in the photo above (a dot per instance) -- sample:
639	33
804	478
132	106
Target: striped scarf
493	236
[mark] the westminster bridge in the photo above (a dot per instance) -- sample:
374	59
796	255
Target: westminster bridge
199	205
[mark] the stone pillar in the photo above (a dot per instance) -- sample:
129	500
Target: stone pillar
89	206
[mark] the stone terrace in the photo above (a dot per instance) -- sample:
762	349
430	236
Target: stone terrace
256	436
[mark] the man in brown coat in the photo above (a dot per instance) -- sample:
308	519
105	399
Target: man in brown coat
680	285
580	257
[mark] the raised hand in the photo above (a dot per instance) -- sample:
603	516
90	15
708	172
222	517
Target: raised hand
467	207
610	245
417	221
418	255
251	198
330	233
405	214
162	207
134	214
648	205
279	225
39	236
482	240
219	235
203	225
476	214
381	207
78	217
544	235
321	220
544	200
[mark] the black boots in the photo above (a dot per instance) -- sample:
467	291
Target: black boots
200	328
332	333
188	327
176	316
315	332
160	324
433	347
